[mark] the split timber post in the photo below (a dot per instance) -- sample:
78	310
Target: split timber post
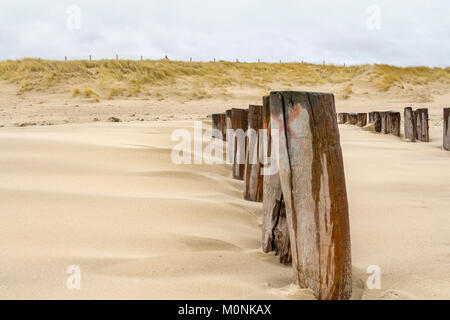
410	124
275	233
239	125
362	119
312	180
254	181
446	129
422	125
371	117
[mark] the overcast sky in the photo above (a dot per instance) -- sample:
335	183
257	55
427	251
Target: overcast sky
400	32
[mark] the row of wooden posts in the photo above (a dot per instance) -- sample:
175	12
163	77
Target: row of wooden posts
416	123
306	220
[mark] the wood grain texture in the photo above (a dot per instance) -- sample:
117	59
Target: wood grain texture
446	129
423	131
343	117
314	191
239	124
275	233
410	124
362	119
253	179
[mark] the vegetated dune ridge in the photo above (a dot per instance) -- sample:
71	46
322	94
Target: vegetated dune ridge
41	92
108	198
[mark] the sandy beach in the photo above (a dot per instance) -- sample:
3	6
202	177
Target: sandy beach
107	198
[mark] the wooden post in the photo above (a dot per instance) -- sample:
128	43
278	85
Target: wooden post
353	118
361	119
223	125
422	125
376	120
142	58
117	57
343	117
446	124
259	60
216	125
239	123
190	59
275	234
410	124
65	58
384	122
237	60
396	120
253	179
90	57
312	180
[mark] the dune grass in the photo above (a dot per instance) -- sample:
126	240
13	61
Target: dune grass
130	78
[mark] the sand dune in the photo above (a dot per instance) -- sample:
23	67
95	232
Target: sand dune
106	197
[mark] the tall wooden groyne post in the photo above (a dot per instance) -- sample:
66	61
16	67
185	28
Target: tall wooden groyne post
253	179
313	184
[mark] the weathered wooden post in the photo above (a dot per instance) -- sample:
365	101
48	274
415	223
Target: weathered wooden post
314	191
446	124
384	122
253	179
353	118
215	121
422	125
223	125
275	234
410	124
371	117
219	124
343	117
239	124
362	119
376	120
395	120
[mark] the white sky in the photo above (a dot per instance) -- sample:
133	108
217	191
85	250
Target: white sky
414	32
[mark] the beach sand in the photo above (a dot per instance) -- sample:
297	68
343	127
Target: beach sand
106	197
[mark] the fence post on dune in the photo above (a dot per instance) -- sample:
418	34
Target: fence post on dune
362	119
313	184
239	124
275	233
253	180
410	124
446	125
422	125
